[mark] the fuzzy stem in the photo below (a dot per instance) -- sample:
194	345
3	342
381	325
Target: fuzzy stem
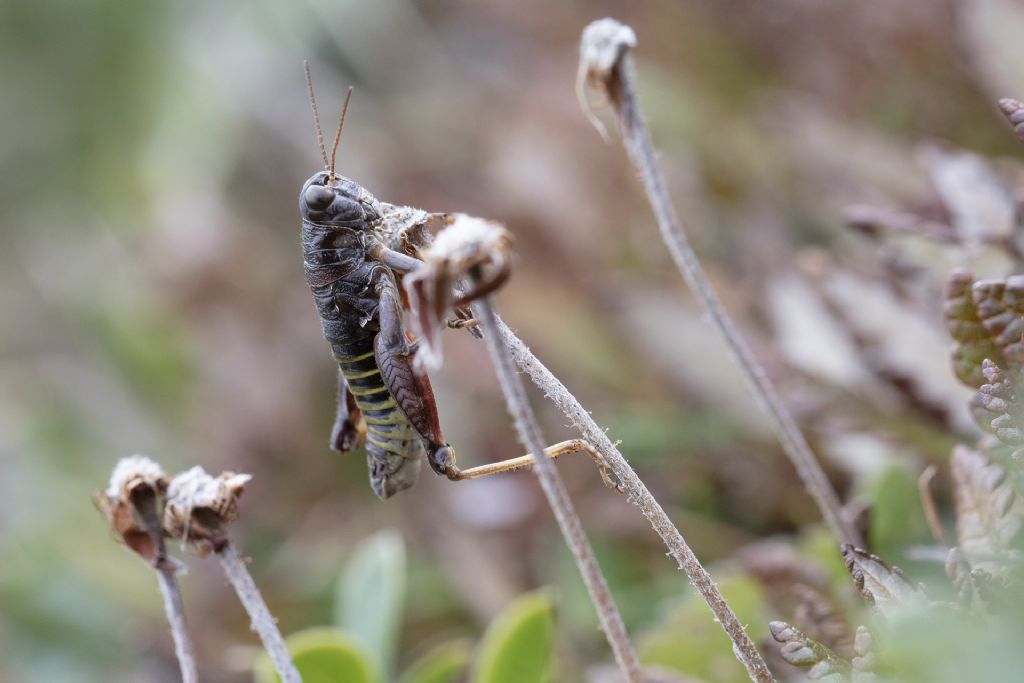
621	91
558	498
262	621
638	494
176	617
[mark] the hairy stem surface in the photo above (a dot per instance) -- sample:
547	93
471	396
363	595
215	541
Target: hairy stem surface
262	621
638	494
558	498
619	84
175	609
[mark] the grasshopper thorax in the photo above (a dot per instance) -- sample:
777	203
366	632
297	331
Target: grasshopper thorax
338	201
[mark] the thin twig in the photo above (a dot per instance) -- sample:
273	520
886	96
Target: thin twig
638	494
606	63
176	617
558	497
931	512
262	621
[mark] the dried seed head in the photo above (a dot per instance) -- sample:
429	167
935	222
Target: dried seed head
199	507
468	247
132	505
603	44
134	474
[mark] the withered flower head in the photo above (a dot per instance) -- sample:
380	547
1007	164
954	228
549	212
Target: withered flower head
471	248
603	43
199	507
132	504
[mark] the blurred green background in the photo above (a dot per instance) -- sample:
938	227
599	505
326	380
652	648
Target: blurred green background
153	298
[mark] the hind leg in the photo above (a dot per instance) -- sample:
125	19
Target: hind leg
411	389
559	449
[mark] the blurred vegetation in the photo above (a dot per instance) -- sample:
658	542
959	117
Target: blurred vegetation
154	302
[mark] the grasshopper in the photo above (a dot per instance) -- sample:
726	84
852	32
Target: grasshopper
354	248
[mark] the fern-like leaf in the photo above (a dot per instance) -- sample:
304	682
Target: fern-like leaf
801	650
883	586
973	341
863	664
988	511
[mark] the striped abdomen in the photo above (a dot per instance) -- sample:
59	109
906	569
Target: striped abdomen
393	448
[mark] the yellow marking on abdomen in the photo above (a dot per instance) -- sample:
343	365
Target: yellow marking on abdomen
361	375
390	403
394	418
356	359
367	392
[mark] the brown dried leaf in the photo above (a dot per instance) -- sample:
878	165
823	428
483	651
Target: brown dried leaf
800	650
973	342
884	587
988	511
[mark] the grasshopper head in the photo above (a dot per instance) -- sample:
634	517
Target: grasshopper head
338	201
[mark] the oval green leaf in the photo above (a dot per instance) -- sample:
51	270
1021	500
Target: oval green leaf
444	664
371	595
518	644
322	655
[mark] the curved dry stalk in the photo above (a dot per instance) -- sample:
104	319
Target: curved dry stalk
605	63
638	494
262	621
198	511
175	609
558	498
133	505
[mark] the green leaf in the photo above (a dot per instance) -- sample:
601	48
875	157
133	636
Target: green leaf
322	655
371	594
897	517
517	647
687	639
444	664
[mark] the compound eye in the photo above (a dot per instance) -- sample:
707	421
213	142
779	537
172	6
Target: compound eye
318	197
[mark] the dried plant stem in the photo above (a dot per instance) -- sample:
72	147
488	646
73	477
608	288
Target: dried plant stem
176	617
621	92
638	494
931	511
558	498
262	621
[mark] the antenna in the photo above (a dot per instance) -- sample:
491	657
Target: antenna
337	136
316	120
